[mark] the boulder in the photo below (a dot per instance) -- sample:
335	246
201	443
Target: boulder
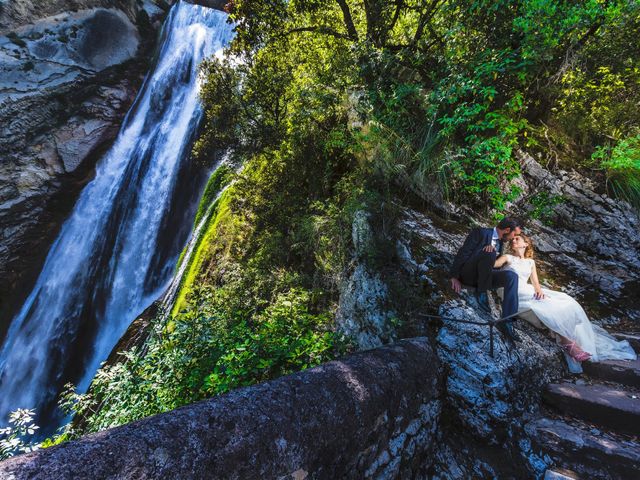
373	414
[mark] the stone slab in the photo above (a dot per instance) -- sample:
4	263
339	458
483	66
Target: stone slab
587	454
610	407
625	372
373	414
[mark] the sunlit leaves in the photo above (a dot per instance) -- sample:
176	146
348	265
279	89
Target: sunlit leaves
15	438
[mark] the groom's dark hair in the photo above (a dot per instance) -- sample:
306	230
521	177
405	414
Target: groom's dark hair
509	222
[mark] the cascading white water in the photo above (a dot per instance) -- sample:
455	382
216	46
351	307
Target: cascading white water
116	252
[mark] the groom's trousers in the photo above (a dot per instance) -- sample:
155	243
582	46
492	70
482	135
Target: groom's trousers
478	272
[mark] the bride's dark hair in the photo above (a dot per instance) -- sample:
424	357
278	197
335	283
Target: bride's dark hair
528	251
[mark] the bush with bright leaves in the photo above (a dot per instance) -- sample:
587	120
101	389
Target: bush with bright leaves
14	438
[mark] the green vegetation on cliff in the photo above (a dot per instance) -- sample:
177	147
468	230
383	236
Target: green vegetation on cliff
335	106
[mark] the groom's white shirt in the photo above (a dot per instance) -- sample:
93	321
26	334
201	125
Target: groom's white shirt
495	238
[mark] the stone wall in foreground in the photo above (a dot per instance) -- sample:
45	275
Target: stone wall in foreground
373	414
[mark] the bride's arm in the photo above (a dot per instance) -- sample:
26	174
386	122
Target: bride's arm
501	261
536	284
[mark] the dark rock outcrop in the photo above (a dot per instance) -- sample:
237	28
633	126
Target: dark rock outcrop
371	415
69	70
592	453
364	313
488	397
16	13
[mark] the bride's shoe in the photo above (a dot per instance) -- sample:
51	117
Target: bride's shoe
574	351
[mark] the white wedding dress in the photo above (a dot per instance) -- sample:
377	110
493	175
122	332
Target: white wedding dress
562	314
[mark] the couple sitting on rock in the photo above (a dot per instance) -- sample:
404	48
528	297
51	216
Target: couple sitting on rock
482	263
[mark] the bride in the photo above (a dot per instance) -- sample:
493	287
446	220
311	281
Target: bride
578	337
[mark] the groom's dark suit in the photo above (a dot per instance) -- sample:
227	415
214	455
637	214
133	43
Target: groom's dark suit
473	266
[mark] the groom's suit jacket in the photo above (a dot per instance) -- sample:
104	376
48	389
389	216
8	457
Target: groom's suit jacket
477	239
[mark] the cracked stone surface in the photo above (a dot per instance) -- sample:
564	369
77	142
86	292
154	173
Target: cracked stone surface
488	400
364	313
592	249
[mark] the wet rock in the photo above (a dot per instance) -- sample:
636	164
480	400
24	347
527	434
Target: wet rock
76	140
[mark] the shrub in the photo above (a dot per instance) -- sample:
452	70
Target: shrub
225	338
14	438
542	206
622	166
285	338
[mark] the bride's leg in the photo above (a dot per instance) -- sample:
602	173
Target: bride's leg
573	349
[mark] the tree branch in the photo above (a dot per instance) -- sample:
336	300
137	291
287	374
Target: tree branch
348	21
571	52
425	16
396	15
318	29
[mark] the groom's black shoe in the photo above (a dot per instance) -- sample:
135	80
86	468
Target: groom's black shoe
483	301
507	330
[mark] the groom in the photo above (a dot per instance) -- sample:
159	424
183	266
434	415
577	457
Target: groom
473	266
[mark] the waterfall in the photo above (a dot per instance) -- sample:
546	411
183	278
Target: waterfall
116	252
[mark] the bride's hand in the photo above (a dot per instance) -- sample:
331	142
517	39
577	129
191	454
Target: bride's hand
539	295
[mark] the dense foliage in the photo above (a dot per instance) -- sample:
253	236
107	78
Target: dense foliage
216	344
448	89
333	106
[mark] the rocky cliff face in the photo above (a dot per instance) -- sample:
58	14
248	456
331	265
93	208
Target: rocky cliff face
18	13
364	311
69	70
